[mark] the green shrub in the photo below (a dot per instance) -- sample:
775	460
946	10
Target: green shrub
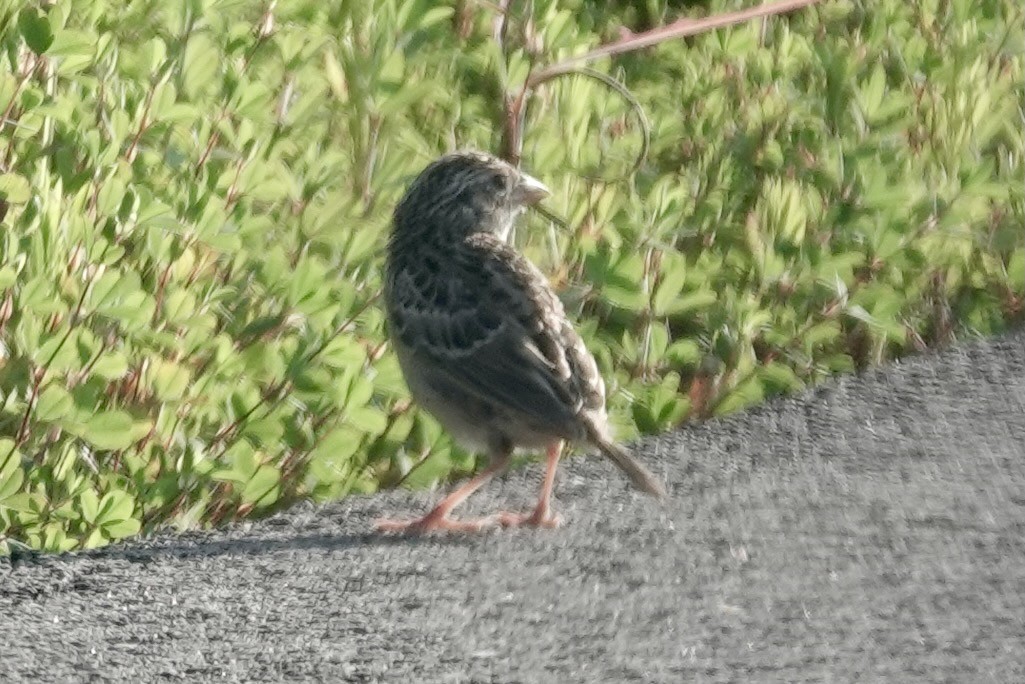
194	197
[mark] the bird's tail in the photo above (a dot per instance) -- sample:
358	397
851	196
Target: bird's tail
641	477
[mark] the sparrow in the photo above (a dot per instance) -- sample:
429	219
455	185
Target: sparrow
483	341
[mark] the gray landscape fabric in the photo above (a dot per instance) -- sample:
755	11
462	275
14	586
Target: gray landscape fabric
871	529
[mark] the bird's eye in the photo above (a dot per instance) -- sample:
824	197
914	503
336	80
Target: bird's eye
499	183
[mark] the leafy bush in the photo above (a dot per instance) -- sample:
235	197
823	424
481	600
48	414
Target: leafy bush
194	197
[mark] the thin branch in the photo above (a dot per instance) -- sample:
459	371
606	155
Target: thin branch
678	29
143	124
631	99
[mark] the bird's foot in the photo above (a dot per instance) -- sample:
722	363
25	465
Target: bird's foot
539	517
435	523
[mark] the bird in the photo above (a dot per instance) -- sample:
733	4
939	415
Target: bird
482	339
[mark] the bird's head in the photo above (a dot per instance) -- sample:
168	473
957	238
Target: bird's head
465	193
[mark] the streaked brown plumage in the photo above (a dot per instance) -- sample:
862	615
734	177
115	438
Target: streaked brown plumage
483	341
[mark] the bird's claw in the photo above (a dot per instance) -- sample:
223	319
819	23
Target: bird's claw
538	518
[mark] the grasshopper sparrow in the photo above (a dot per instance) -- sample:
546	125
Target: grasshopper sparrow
482	340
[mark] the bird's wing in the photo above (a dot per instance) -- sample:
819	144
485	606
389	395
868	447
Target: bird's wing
500	333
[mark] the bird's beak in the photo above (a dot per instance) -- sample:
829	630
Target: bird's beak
529	190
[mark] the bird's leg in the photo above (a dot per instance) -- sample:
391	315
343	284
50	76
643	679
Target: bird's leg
438	518
542	515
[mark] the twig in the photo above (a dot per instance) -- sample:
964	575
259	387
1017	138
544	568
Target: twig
631	99
678	29
143	124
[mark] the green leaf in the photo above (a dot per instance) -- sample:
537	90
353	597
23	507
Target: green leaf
11	474
266	431
58	352
24	503
169	379
89	504
631	299
111	365
70	42
179	305
243	461
264	487
112	430
780	377
119	529
747	393
335	76
339	444
870	95
8	276
370	419
820	334
115	506
54	402
429	471
433	16
691	302
54	538
668	291
342	352
35	29
94	540
684	353
264	360
410	93
200	64
14	188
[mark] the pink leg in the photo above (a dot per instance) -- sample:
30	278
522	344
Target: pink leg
542	515
438	518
